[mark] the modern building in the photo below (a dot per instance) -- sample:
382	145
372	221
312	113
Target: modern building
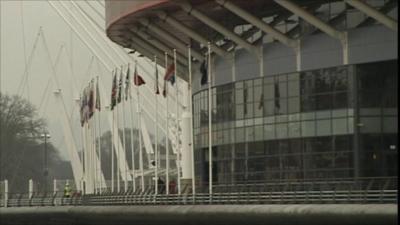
301	89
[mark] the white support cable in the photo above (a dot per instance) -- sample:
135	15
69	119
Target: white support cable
145	96
75	162
94	52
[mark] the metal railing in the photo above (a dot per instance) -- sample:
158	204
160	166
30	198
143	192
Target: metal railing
349	191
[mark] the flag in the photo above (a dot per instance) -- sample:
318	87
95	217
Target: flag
119	99
157	89
261	103
170	74
127	84
114	92
277	96
85	105
98	106
82	106
91	99
204	72
137	79
164	93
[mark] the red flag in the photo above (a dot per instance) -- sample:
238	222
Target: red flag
170	74
137	79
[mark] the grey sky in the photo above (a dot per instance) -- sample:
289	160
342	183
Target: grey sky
73	78
39	14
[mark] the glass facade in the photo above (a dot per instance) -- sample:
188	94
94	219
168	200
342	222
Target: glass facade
335	122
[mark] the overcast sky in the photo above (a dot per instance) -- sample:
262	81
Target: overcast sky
20	23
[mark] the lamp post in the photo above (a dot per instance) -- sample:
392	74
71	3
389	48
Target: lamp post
46	169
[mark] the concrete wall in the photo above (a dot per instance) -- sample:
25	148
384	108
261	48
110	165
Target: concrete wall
366	44
316	214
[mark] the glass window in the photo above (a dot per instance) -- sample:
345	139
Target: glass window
249	134
340	100
281	90
339	79
308	103
323	102
239	96
248	110
323	127
293	105
390	125
323	80
294	130
370	124
239	135
294	88
343	143
269	91
308	128
269	132
281	130
339	126
239	111
269	108
259	133
281	106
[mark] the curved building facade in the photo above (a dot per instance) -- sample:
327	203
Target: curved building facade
301	90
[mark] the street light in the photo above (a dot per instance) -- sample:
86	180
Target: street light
46	169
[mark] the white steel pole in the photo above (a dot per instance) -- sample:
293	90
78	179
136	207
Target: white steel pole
5	193
156	127
132	146
30	188
177	127
140	131
112	152
210	175
191	120
99	140
118	148
166	131
123	133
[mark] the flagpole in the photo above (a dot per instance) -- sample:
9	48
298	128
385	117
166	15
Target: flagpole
123	134
166	131
156	127
210	174
99	132
177	126
140	132
191	118
113	132
118	148
112	148
132	141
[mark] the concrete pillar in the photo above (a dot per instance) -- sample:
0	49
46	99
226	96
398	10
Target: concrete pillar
55	189
30	188
186	153
5	193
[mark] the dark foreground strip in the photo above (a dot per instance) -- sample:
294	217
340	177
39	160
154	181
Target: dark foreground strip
315	214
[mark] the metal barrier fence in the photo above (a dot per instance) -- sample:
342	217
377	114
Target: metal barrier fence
362	191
